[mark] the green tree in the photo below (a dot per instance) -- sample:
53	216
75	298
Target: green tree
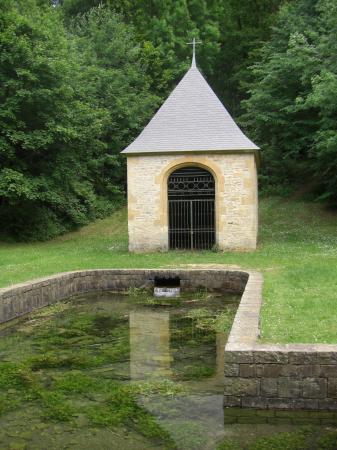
115	77
230	32
323	98
66	108
291	111
244	26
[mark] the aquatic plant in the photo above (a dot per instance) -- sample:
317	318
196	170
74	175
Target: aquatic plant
163	387
196	372
121	408
13	375
74	382
135	291
8	402
55	406
72	368
328	441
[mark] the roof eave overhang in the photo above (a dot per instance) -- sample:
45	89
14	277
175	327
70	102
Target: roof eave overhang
255	151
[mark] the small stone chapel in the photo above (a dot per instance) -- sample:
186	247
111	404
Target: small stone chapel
192	175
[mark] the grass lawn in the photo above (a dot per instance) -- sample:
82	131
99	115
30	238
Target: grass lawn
297	254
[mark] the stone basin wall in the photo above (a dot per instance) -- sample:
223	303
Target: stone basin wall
259	376
266	376
23	298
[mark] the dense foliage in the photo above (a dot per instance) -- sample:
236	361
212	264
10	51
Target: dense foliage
69	101
229	30
292	109
79	79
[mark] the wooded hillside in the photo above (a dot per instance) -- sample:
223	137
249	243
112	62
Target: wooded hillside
80	78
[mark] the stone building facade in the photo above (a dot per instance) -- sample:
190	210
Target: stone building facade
192	129
235	177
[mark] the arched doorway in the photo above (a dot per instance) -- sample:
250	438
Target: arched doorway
191	195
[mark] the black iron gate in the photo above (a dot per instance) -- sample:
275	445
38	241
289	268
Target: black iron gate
191	209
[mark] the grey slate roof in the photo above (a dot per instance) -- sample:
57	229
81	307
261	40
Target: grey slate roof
191	119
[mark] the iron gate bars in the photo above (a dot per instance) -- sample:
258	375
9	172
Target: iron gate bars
191	224
191	182
191	192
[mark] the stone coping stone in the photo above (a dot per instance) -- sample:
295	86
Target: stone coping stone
275	376
245	332
20	299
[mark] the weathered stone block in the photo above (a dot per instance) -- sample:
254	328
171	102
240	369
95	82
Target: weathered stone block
254	402
327	404
269	370
231	401
328	370
308	370
241	386
269	387
239	357
327	357
280	403
305	403
247	370
231	370
332	388
314	387
296	357
270	357
288	388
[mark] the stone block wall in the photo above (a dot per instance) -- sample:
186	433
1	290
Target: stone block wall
266	376
276	379
24	298
236	198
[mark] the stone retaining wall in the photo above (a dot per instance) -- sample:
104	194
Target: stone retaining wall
260	376
265	376
24	298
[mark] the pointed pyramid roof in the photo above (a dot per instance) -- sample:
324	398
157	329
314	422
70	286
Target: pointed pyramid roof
192	119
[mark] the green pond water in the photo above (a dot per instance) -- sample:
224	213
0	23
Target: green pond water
109	371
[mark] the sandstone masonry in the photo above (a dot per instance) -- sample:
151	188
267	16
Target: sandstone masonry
236	199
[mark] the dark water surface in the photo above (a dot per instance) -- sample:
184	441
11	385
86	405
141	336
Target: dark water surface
122	372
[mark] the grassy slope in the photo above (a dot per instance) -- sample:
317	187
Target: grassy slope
297	254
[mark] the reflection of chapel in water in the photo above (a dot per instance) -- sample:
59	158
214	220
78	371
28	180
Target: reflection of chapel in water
160	346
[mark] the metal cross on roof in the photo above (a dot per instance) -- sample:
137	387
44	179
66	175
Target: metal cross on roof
194	42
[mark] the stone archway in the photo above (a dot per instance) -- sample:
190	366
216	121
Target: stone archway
191	208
